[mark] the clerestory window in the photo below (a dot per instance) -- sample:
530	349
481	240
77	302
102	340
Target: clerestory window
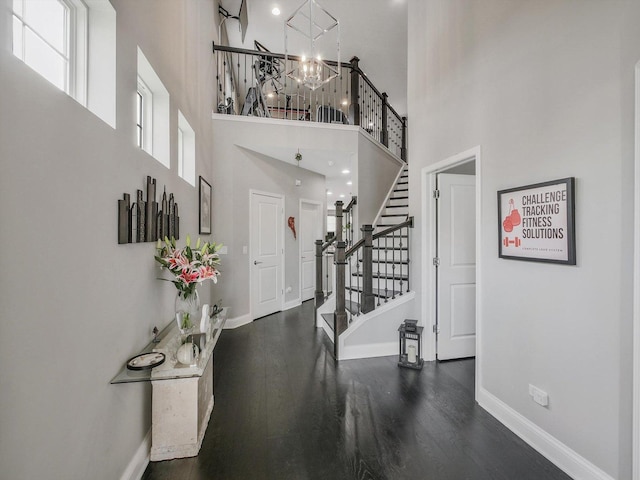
51	37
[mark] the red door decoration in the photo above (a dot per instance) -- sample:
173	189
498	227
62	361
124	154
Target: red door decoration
292	225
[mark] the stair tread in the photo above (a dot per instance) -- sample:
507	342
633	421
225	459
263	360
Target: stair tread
328	318
383	275
389	261
390	248
377	292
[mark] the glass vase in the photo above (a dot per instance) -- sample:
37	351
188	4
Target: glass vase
187	311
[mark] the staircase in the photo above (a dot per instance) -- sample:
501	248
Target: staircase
390	272
372	294
397	208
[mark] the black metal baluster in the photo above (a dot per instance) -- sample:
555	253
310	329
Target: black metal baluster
408	260
359	282
401	244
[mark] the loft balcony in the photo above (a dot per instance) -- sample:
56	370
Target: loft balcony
254	83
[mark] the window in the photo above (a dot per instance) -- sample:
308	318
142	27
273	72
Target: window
186	150
51	37
144	117
152	113
180	152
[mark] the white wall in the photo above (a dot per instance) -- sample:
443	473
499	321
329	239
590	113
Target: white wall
76	305
546	89
377	170
239	168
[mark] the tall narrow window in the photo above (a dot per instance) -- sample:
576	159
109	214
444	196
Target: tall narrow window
50	37
180	152
186	150
152	113
144	117
139	119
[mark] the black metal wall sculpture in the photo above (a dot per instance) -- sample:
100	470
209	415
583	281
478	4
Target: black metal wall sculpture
147	221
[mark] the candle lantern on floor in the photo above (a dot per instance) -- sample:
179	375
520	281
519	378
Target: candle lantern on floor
410	345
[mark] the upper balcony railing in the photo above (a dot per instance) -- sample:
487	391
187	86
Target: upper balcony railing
254	82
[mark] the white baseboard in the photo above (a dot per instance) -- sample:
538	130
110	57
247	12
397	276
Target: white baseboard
368	351
237	322
140	460
554	450
292	304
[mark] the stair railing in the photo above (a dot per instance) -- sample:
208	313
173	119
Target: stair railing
349	218
325	250
391	278
254	82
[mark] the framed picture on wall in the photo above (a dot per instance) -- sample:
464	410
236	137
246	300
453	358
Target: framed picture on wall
537	222
205	207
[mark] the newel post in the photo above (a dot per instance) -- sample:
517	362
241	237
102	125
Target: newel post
368	300
385	127
354	109
339	215
319	294
340	314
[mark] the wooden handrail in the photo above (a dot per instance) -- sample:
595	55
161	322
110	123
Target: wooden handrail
387	231
328	243
352	203
280	56
355	247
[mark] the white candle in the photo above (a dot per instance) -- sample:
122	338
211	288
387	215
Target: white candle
411	354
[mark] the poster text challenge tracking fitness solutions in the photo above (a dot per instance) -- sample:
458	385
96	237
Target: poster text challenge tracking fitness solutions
537	222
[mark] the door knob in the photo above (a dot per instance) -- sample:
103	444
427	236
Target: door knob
255	262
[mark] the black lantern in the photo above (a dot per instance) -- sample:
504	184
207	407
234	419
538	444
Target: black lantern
410	345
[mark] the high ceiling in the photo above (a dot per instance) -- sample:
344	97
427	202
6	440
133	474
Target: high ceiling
373	30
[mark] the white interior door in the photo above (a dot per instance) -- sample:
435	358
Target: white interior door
267	253
310	230
456	308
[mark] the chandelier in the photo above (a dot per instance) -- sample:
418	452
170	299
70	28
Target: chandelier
318	33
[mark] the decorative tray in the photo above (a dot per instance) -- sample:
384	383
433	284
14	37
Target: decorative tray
145	361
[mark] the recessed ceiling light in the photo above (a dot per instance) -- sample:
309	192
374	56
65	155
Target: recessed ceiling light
275	11
329	192
345	171
349	182
342	196
345	102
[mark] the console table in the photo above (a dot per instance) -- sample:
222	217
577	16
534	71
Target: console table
182	395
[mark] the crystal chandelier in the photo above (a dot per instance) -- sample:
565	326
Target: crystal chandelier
318	33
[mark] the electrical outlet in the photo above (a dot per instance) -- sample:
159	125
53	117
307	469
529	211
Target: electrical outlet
539	396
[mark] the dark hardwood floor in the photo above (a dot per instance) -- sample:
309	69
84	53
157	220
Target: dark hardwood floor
285	410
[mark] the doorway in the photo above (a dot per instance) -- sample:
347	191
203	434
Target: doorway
470	162
310	230
267	253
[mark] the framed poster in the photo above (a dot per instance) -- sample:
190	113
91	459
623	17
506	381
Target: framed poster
205	207
537	222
